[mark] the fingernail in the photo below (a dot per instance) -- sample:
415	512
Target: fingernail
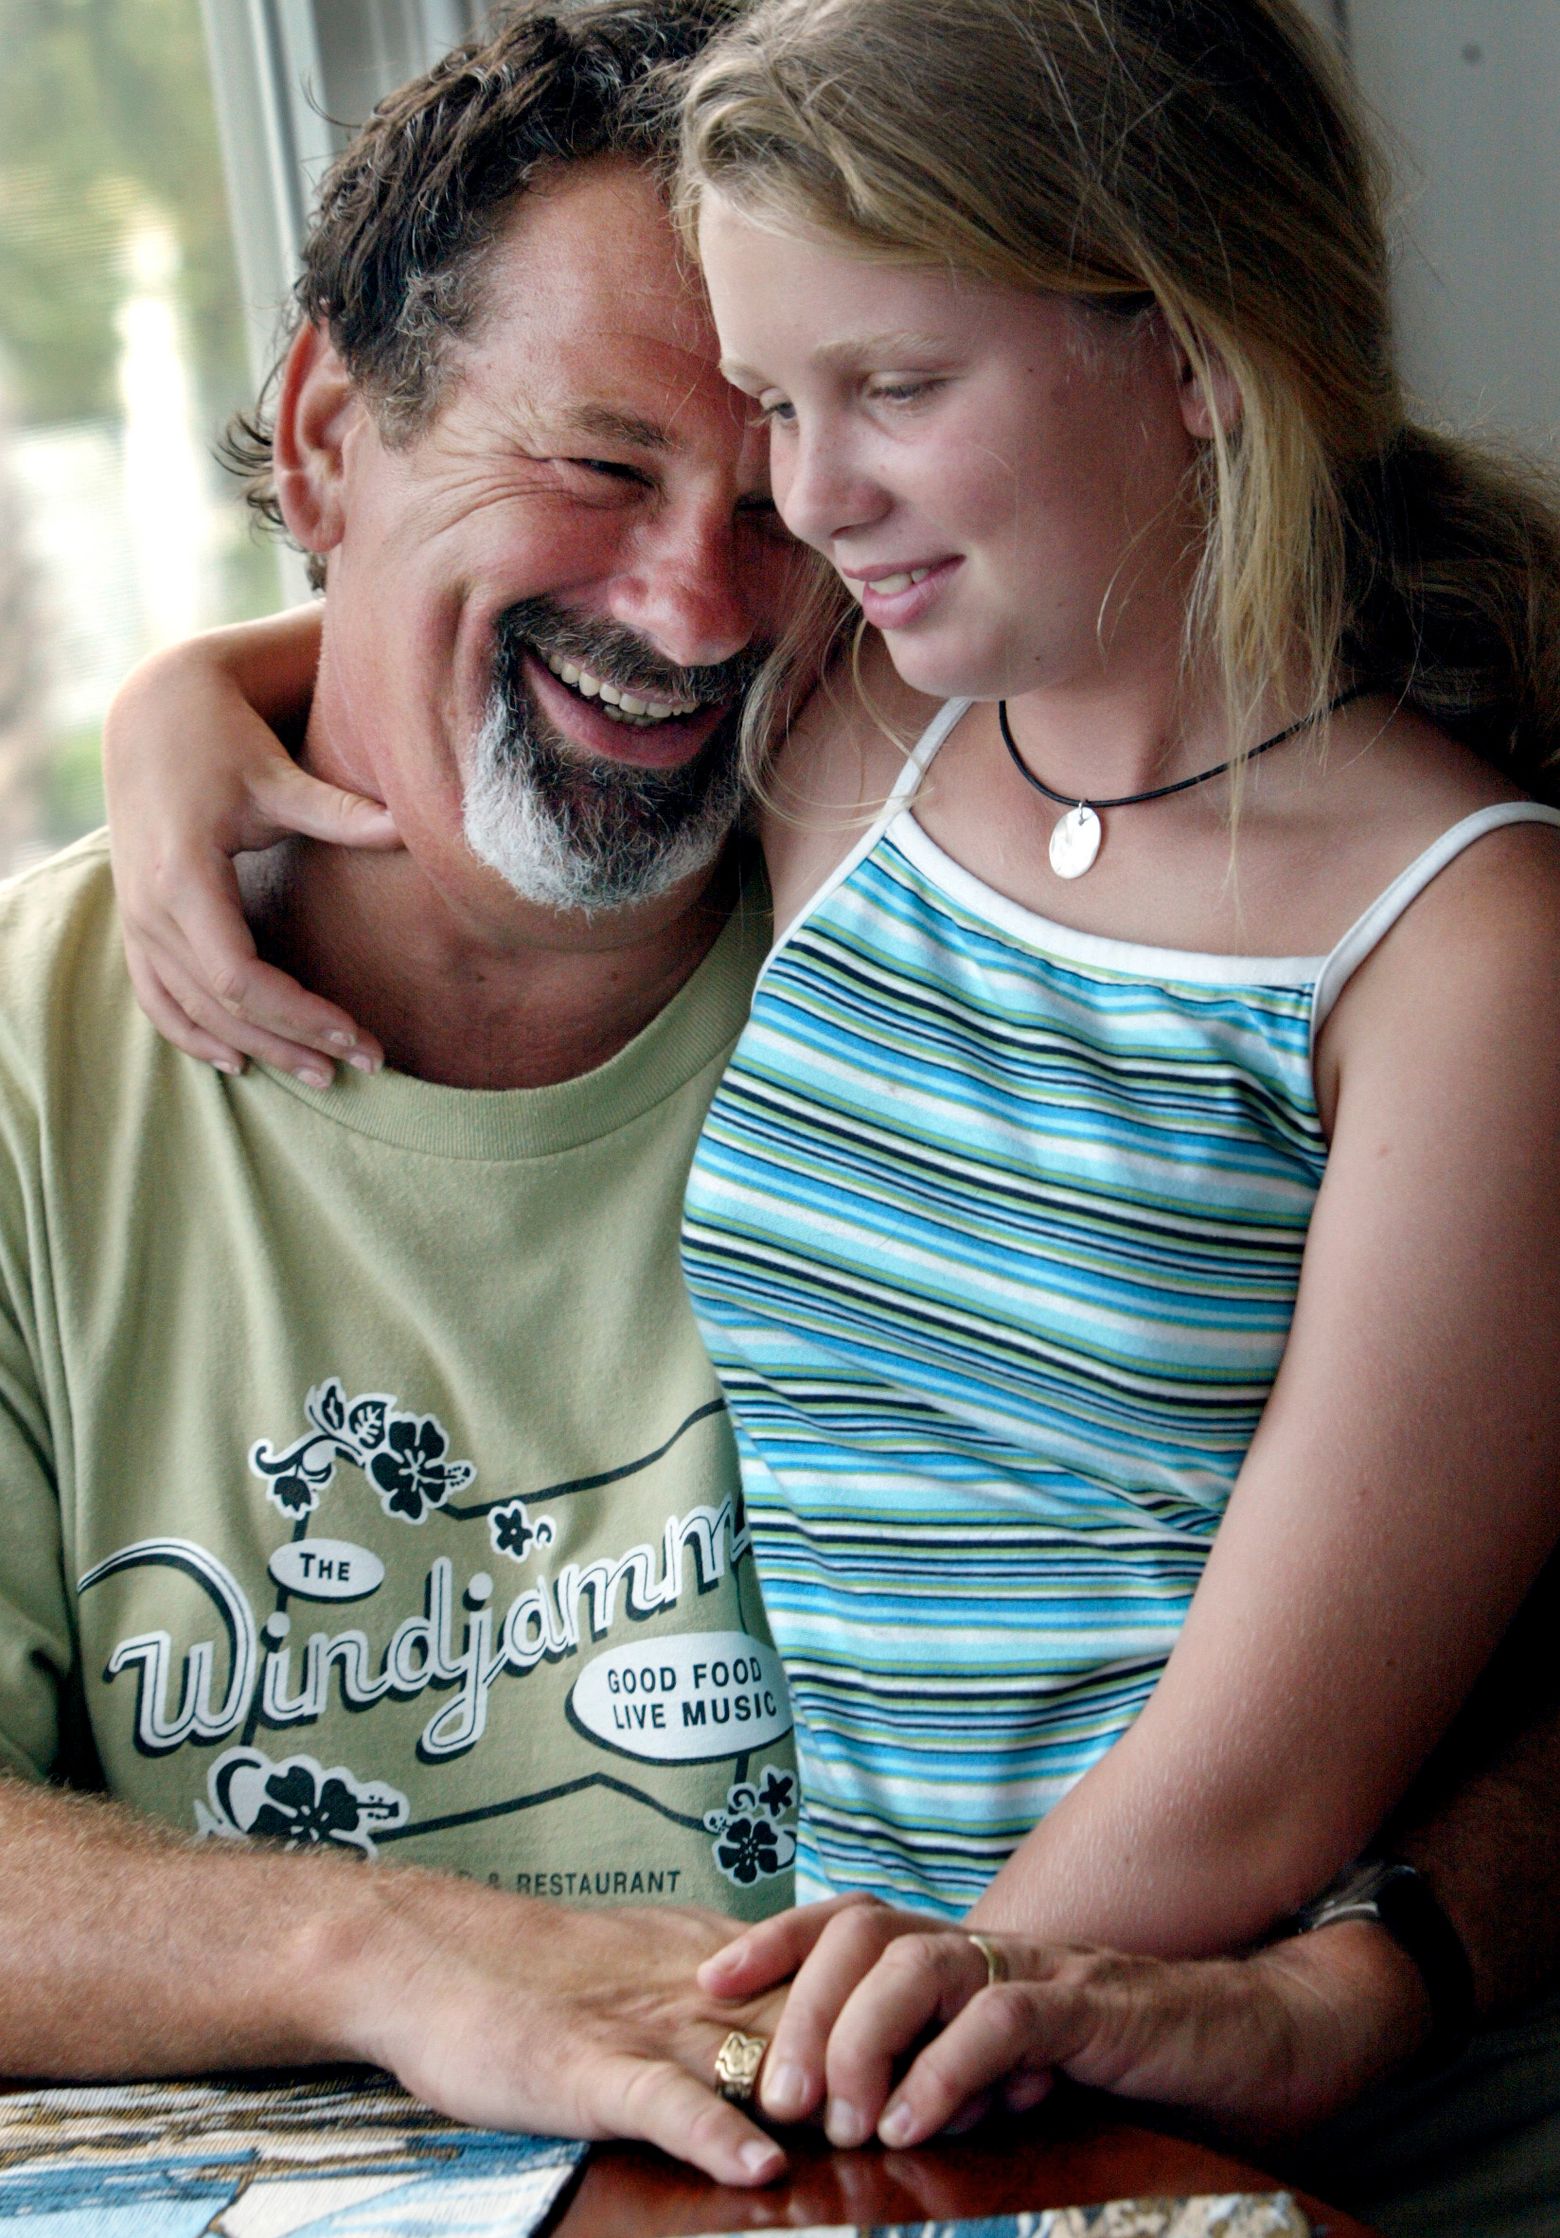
230	1065
313	1076
897	2123
361	1061
844	2123
785	2090
761	2159
342	1040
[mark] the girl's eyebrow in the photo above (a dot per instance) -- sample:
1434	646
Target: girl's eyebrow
853	349
902	343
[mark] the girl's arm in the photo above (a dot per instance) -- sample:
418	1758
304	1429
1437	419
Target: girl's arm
1401	1494
195	774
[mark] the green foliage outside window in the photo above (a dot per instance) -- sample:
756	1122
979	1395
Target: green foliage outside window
106	128
105	111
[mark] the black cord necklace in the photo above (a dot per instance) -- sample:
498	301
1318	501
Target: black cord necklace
1076	837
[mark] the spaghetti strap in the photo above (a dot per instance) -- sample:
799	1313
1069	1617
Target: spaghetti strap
917	762
1369	930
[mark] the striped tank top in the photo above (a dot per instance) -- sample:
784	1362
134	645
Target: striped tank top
994	1233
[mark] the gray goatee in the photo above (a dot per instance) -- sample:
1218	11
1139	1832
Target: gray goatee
571	832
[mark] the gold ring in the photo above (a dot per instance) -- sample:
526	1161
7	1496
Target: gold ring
993	1954
737	2064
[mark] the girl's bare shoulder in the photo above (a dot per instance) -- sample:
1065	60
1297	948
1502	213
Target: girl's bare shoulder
841	759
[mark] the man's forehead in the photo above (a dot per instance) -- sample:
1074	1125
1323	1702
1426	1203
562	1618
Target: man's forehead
595	246
592	332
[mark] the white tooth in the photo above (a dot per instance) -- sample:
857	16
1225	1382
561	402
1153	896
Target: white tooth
553	663
919	574
588	687
611	694
630	705
612	713
892	583
568	671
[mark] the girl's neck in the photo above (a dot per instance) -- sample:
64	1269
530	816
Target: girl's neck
1100	741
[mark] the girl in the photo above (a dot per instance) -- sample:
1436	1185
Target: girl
1129	1232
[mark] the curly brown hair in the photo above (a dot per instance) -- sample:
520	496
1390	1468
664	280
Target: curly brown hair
393	262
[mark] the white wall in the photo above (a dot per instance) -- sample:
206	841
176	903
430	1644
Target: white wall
1471	91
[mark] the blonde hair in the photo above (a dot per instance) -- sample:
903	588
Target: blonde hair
1206	158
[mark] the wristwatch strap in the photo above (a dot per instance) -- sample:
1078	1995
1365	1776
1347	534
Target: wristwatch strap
1401	1901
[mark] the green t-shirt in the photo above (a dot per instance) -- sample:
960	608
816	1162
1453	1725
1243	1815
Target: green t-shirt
364	1478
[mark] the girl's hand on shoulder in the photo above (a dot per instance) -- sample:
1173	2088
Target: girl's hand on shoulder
194	775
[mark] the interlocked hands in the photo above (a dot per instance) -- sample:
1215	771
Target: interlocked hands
894	2024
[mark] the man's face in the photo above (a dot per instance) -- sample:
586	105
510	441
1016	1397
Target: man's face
543	611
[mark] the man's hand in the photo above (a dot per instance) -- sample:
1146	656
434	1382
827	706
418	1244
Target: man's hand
127	1950
518	2014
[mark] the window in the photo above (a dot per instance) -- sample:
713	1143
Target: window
135	317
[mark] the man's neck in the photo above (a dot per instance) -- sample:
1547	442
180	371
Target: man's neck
523	999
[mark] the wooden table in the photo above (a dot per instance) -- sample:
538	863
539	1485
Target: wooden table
1064	2156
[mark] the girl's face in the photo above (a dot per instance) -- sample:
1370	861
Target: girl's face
1002	485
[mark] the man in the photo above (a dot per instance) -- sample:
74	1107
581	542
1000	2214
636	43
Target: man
500	428
367	1486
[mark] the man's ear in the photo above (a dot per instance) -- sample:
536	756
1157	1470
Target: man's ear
1209	394
316	408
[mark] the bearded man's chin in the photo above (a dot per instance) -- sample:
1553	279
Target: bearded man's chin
580	835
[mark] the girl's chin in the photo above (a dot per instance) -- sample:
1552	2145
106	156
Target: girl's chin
943	671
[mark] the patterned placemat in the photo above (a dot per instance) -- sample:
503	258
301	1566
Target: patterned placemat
238	2160
1232	2215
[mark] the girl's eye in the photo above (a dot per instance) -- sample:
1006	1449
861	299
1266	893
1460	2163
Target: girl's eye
775	411
902	392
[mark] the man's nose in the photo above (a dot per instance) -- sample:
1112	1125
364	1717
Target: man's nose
690	591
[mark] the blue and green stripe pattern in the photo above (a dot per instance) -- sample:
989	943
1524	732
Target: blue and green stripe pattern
994	1233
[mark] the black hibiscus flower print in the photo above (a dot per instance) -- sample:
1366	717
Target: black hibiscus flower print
412	1469
750	1844
749	1850
405	1455
299	1802
303	1811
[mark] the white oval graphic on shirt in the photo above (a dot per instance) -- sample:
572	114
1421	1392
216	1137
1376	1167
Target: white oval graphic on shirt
684	1701
326	1569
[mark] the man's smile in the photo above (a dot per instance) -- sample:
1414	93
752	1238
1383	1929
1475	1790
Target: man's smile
600	727
618	706
609	694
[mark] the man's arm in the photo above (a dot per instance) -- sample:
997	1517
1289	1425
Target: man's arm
127	1950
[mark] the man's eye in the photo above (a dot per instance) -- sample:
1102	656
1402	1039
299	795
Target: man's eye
763	514
610	469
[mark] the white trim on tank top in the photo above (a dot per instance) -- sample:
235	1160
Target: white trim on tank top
1327	974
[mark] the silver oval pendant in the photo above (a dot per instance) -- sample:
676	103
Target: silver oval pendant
1075	841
